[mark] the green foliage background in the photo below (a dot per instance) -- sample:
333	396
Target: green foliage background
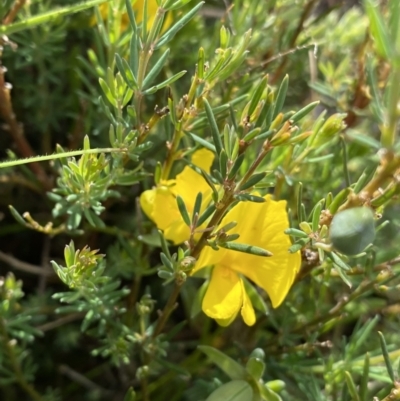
94	334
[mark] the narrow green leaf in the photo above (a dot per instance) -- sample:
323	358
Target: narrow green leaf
198	300
345	162
163	84
299	201
197	205
365	379
152	74
294	232
255	367
107	92
394	26
316	215
126	72
169	35
386	357
351	386
213	126
134	52
338	261
131	15
280	98
319	159
129	178
164	245
257	95
166	262
384	197
201	141
209	182
365	178
17	216
200	64
250	198
183	210
236	166
207	213
47	17
236	390
299	244
379	32
245	248
224	362
304	111
363	139
144	20
130	395
253	180
338	200
252	134
223	163
268	394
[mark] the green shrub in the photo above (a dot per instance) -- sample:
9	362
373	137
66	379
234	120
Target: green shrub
190	191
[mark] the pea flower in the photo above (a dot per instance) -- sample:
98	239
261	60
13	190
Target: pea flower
160	205
258	224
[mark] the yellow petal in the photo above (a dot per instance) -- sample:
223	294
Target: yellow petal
209	257
147	202
138	9
167	217
247	310
177	232
188	185
225	322
224	296
203	158
263	225
160	204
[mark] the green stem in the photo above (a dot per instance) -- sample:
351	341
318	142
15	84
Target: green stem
389	129
168	309
266	148
171	156
12	163
19	376
223	207
144	59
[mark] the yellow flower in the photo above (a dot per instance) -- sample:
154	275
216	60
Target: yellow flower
258	224
160	205
262	225
137	6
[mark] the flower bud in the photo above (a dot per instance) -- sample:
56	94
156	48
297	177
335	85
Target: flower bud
332	126
187	263
276	385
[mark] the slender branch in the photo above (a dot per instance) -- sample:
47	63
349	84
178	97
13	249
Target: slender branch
25	267
61	321
15	129
55	156
266	148
306	12
13	12
83	380
168	309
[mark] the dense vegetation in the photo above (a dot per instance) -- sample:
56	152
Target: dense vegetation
199	200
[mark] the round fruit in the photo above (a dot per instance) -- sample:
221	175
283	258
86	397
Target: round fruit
352	230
